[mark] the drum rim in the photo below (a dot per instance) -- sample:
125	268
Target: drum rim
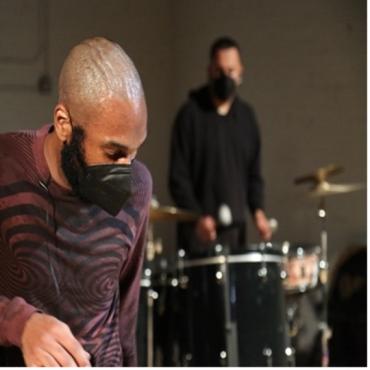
252	257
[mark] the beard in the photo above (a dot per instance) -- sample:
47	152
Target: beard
73	158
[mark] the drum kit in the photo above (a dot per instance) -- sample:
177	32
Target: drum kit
229	307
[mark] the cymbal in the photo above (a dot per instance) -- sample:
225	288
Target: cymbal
320	175
171	214
325	188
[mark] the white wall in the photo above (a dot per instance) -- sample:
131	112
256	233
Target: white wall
305	75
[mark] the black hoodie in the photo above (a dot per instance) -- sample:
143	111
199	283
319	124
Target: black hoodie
216	159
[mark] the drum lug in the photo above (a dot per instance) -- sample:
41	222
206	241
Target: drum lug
174	282
186	361
183	281
290	354
223	357
152	294
147	273
283	275
262	272
267	352
218	249
219	276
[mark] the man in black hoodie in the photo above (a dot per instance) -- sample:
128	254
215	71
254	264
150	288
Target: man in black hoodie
215	167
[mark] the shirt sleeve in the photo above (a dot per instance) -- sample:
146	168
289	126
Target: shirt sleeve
255	180
14	314
130	276
180	182
130	293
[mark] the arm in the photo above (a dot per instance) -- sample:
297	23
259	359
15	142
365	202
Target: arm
14	313
44	340
256	187
130	276
130	293
180	181
255	180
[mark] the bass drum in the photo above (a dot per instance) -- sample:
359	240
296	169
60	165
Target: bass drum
235	310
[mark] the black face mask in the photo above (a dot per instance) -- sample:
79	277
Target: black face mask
106	185
223	87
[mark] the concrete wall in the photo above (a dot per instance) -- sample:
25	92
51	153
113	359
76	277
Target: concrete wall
305	75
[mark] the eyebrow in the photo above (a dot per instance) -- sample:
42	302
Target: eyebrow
118	145
112	143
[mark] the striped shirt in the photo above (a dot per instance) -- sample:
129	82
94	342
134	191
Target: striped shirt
67	258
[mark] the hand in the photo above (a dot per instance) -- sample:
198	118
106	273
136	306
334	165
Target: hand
262	225
48	342
206	229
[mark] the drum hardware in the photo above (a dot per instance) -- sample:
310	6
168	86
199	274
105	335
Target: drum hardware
290	353
154	249
183	278
247	314
285	250
283	275
262	272
267	352
223	357
326	335
231	354
218	249
152	295
169	213
187	359
219	276
291	317
320	189
302	267
324	268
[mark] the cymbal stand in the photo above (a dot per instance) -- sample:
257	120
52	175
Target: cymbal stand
324	267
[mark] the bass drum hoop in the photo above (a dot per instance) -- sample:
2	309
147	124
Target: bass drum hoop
250	257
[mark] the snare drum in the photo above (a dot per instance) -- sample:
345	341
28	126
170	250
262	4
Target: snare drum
235	310
301	266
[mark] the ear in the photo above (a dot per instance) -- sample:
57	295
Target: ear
241	76
62	123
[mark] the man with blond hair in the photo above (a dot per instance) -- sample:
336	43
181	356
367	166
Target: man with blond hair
73	216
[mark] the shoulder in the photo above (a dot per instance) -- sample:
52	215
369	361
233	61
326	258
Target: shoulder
15	154
246	113
142	183
197	102
244	106
186	113
11	141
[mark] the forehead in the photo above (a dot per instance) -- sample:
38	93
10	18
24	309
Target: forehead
119	121
227	57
